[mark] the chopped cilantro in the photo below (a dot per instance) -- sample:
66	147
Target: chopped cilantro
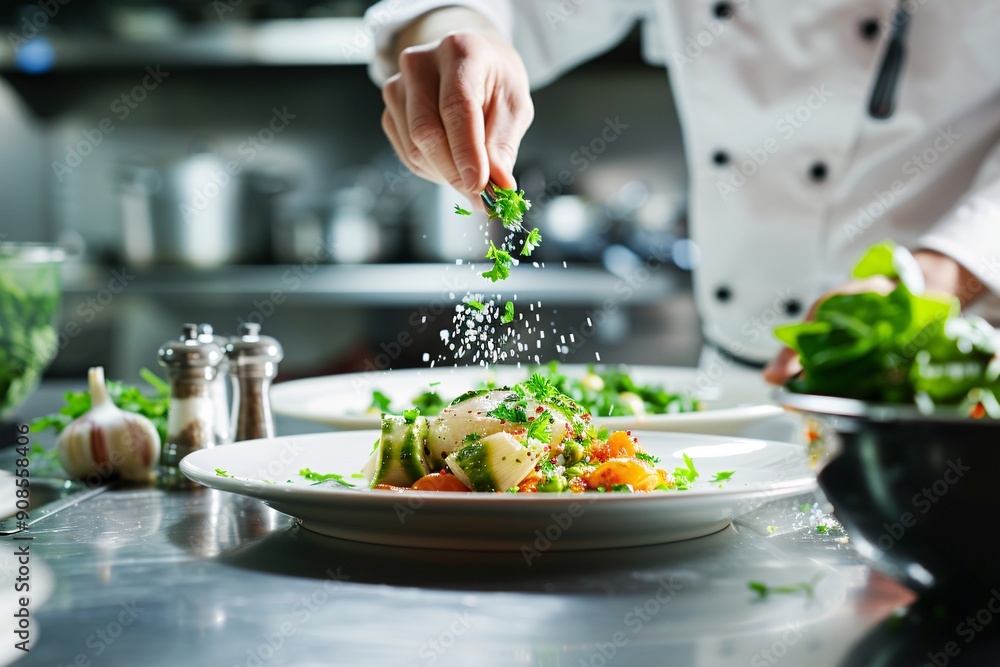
763	590
508	313
411	415
540	386
513	489
509	207
319	478
471	438
723	476
532	241
461	211
685	475
502	262
380	401
771	529
222	473
540	428
505	412
643	456
822	529
475	305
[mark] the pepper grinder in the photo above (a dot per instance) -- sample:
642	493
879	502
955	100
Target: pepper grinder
253	361
192	365
219	386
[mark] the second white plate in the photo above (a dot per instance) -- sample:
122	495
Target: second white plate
341	401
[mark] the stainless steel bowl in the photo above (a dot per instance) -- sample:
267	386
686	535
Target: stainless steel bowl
916	492
30	289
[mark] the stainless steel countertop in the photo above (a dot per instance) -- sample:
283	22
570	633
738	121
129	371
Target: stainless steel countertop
215	579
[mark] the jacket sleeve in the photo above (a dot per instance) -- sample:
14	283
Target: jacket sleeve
552	36
970	233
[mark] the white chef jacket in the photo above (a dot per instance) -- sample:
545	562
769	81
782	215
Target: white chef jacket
790	177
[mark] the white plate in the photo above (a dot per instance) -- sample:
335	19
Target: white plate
268	469
341	401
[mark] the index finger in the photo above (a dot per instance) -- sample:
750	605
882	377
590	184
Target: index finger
461	105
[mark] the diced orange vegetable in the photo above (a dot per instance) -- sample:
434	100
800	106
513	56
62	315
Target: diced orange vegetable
623	471
439	482
620	445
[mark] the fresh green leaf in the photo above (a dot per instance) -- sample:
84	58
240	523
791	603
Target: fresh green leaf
461	211
532	241
723	476
319	478
508	313
648	458
507	412
410	416
502	261
877	261
540	428
381	402
475	305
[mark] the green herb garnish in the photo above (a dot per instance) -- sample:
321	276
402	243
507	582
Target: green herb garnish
642	456
319	478
764	590
222	473
475	305
380	401
540	428
506	412
502	261
532	241
410	416
461	211
723	476
508	313
685	475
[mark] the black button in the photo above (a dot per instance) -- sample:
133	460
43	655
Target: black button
720	158
793	307
723	10
723	293
869	29
818	172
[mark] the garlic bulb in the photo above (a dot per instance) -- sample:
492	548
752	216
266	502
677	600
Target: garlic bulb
107	440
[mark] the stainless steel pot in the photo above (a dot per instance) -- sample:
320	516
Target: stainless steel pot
200	210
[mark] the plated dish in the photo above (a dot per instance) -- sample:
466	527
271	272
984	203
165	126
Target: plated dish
344	401
531	523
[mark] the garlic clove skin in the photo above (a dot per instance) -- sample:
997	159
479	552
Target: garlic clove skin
107	441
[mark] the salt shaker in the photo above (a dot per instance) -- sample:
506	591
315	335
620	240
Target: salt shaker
219	386
253	361
192	364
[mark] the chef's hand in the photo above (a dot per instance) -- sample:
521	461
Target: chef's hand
458	107
941	274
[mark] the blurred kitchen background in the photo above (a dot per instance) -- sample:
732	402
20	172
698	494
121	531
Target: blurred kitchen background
125	123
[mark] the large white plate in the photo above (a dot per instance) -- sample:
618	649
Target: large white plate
268	469
341	401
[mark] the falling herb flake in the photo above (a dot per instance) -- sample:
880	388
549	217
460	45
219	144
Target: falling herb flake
763	590
532	241
508	313
475	305
461	211
723	476
502	262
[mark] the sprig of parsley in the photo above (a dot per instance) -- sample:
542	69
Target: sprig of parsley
508	313
509	413
502	261
685	475
532	241
540	428
461	211
540	386
643	456
319	478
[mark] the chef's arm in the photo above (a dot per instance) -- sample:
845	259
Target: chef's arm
456	92
961	253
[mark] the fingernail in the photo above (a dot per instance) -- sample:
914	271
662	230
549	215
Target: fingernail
469	178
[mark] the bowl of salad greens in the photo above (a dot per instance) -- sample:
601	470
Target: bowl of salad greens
901	391
30	290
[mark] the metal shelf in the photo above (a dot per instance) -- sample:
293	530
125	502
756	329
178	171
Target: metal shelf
321	41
